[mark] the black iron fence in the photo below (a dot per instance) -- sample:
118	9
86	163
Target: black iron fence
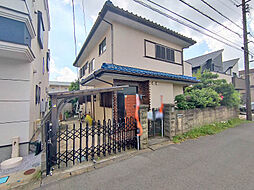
83	142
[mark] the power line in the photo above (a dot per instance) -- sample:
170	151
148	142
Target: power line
74	33
74	27
191	21
181	22
222	2
221	14
210	17
234	2
84	16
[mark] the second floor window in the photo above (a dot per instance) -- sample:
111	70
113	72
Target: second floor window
91	66
48	60
37	94
83	70
102	46
164	53
40	29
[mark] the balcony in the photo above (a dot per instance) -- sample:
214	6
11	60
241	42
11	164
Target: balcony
15	39
19	52
238	83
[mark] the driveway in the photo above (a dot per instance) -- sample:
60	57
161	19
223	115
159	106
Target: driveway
222	161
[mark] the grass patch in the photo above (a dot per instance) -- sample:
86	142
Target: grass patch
210	129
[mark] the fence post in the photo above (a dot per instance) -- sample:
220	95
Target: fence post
169	120
143	109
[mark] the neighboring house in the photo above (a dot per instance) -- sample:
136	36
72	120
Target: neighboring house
24	70
251	76
57	86
213	62
125	49
227	70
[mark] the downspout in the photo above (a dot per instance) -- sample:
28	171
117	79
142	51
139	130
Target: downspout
112	60
112	38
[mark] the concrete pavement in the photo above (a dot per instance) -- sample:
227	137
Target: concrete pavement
222	161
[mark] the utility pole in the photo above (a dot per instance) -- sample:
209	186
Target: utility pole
246	61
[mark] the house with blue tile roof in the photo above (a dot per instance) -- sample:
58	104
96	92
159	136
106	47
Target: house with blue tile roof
125	49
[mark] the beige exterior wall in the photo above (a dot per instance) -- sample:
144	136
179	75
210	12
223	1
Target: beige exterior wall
178	89
129	50
105	57
187	69
161	88
228	78
55	88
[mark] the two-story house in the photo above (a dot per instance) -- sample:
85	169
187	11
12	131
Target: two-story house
227	70
24	70
125	49
213	62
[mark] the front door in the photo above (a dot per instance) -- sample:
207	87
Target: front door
126	102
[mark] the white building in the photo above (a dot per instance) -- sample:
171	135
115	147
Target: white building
24	70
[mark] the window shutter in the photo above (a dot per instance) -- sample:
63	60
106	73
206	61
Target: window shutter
157	51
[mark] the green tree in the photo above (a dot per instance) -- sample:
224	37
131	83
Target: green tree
210	92
74	86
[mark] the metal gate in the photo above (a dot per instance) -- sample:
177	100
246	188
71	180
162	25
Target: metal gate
155	125
85	142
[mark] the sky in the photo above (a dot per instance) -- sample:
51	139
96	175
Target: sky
61	40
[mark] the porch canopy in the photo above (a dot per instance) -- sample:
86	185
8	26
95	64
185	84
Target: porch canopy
108	72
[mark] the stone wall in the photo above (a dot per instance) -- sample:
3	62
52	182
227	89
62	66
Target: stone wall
180	121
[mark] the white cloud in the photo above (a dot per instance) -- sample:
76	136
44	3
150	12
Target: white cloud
64	74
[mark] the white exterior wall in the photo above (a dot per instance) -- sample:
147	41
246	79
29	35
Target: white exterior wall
235	69
18	112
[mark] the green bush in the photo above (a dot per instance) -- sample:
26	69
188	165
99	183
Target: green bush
198	98
208	93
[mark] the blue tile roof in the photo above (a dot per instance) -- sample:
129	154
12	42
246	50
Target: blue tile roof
132	70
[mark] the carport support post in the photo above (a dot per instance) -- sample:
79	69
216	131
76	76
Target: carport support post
54	120
143	109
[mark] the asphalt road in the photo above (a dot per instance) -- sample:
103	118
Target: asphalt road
222	161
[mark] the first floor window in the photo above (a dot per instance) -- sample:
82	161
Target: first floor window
106	99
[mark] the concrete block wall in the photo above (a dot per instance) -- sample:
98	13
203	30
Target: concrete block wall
180	121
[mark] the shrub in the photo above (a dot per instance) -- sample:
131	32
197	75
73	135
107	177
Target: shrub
208	93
